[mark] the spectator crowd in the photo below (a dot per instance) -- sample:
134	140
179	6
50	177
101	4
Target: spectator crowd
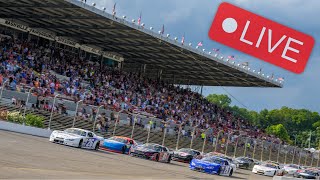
51	71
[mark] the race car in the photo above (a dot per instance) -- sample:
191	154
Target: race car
291	168
185	155
232	163
268	169
306	174
117	144
77	138
212	165
244	162
152	151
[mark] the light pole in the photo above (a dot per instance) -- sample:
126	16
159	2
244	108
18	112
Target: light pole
75	116
25	107
215	148
178	138
2	88
116	121
192	136
54	101
95	119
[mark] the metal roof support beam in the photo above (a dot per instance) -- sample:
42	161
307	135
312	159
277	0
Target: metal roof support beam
79	27
51	17
35	6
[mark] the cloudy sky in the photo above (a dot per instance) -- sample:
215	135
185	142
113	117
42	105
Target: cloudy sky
193	18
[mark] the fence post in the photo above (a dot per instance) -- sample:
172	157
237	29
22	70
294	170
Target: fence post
25	106
178	138
75	116
134	123
192	136
2	88
245	147
262	151
278	152
217	140
53	104
95	119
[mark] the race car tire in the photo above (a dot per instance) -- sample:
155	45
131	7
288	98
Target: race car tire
219	171
169	159
123	149
274	173
157	157
231	172
80	143
96	147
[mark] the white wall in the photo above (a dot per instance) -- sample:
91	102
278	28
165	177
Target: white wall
8	126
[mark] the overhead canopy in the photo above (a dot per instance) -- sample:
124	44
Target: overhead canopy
143	50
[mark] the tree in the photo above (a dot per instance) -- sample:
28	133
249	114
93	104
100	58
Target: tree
220	100
279	131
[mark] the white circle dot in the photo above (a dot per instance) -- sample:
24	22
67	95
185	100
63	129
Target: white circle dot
229	25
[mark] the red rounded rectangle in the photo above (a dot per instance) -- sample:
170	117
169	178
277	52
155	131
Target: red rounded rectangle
261	38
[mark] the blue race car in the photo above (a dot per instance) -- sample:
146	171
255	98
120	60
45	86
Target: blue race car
212	165
118	144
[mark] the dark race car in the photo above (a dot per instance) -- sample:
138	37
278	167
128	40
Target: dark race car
185	155
306	174
244	162
152	151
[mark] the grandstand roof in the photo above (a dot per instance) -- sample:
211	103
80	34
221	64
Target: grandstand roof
140	47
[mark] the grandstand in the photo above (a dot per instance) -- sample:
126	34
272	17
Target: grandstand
133	48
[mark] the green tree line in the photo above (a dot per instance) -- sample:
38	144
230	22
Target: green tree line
291	125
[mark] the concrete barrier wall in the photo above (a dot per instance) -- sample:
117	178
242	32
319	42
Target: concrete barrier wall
8	126
284	178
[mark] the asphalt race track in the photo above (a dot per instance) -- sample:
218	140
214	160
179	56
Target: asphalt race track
29	157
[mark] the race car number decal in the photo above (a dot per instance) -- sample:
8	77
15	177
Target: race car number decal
225	170
89	143
164	156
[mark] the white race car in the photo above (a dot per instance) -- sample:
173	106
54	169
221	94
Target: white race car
291	168
268	169
77	138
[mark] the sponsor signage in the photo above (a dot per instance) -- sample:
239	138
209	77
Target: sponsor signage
14	25
261	38
42	34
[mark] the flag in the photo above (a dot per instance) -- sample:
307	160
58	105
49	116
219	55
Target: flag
162	30
245	64
139	20
281	79
216	50
200	44
231	57
114	9
182	40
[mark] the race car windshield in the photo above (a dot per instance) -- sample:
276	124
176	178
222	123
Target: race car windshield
185	151
76	131
294	166
212	160
270	166
118	139
153	147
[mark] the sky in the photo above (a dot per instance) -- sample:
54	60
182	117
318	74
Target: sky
193	18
